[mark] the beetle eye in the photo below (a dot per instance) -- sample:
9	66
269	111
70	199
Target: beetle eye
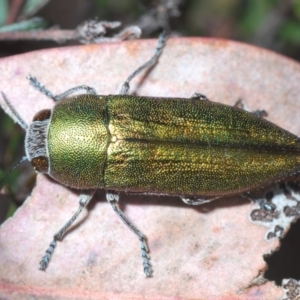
40	164
42	115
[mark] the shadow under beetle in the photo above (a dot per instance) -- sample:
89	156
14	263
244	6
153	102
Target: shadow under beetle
193	148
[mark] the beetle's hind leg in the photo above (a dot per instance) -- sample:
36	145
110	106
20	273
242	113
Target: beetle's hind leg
264	203
113	198
84	199
259	113
36	84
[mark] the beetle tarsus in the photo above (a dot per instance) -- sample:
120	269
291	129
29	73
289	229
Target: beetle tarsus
146	258
46	258
113	198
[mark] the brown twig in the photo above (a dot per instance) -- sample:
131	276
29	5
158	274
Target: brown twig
89	32
57	35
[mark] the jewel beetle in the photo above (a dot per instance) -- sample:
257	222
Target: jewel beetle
193	148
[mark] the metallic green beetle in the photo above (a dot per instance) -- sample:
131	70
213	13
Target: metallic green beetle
174	146
192	148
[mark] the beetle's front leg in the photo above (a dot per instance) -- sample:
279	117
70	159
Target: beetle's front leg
113	198
35	83
84	199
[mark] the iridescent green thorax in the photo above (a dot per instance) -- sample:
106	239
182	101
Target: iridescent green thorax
78	140
166	146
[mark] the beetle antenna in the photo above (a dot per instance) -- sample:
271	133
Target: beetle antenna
4	179
14	112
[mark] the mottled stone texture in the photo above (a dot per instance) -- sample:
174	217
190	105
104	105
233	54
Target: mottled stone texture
208	252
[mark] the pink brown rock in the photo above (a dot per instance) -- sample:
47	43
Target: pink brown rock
205	252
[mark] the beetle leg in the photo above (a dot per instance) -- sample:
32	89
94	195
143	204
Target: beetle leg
113	198
35	83
197	201
199	96
259	113
84	199
264	204
151	62
88	89
241	104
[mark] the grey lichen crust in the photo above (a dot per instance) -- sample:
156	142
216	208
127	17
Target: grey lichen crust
279	210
